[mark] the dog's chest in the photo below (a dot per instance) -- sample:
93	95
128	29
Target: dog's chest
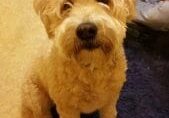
87	88
94	93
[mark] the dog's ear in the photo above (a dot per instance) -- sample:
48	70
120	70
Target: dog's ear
131	10
49	11
40	6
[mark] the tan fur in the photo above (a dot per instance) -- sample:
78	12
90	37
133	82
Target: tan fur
73	78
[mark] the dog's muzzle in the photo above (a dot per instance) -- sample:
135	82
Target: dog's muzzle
86	33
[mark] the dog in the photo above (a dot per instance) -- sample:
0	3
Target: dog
85	66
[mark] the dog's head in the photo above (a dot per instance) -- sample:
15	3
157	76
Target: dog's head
86	25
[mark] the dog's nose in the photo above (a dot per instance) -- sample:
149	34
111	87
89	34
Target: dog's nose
86	31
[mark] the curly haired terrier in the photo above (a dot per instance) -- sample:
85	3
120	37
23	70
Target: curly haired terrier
84	70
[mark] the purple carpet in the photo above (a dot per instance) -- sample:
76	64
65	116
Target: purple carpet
146	92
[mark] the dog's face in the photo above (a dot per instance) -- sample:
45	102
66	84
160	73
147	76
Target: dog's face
88	26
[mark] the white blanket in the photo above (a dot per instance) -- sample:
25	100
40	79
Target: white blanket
154	13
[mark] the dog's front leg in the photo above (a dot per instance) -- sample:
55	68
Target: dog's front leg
108	111
35	101
68	112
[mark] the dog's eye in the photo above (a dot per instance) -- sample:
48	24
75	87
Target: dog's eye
103	1
67	5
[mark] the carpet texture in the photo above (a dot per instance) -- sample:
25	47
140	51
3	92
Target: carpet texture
146	92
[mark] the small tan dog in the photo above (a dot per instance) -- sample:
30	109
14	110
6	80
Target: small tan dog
85	69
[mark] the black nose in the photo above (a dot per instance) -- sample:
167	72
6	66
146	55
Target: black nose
86	31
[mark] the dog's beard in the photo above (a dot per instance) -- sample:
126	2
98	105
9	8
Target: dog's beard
70	45
91	54
91	59
92	45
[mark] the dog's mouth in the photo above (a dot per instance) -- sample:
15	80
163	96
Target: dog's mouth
91	45
86	45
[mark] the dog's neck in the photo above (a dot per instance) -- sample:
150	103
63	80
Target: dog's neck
85	59
95	59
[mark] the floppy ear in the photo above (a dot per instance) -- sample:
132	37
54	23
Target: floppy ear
49	11
40	6
131	9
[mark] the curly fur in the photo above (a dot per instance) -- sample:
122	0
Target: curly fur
75	79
